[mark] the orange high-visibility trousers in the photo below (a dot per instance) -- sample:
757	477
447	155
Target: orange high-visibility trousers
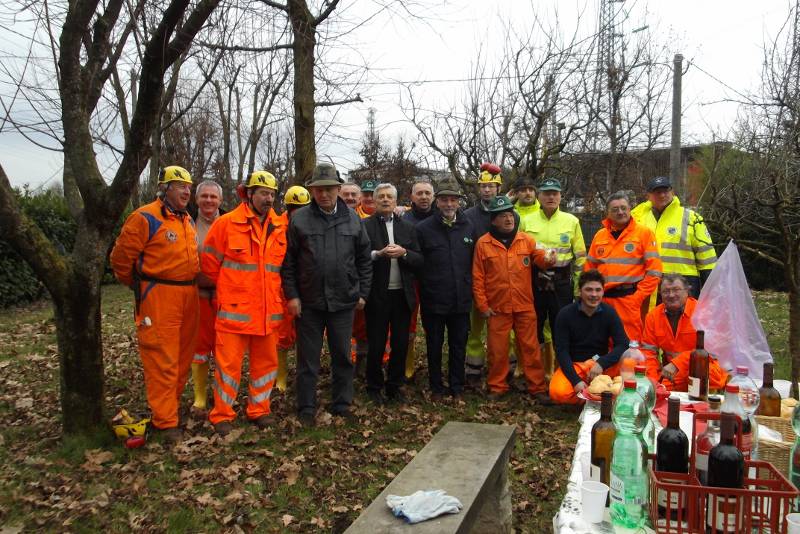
167	331
228	357
206	332
717	377
561	390
631	312
360	331
498	344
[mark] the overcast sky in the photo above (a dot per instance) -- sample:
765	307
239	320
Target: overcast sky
722	41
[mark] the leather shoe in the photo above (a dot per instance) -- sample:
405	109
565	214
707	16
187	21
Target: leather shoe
542	399
171	435
265	421
223	428
307	420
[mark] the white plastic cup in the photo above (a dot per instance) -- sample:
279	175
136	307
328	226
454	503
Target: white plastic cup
793	521
593	500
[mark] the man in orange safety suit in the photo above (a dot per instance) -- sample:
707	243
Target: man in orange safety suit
668	329
156	255
501	284
626	255
242	256
295	198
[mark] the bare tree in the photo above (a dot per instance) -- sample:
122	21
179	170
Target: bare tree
92	38
754	188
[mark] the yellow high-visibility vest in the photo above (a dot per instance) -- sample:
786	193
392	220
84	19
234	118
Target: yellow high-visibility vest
561	232
684	243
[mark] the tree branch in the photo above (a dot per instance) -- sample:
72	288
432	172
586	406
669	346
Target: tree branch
329	103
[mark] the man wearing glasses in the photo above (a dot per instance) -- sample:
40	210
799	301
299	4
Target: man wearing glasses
668	330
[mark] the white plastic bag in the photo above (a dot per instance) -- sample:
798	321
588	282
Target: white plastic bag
725	311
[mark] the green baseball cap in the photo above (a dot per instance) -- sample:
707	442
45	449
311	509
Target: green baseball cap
550	184
499	204
368	186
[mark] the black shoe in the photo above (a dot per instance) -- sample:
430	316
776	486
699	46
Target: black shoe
496	396
396	397
437	396
473	381
345	414
308	420
376	397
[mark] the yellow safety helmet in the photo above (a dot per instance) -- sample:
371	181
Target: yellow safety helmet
297	195
125	426
173	173
490	174
262	179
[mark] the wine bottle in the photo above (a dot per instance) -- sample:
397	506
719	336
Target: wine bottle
672	456
770	402
725	470
603	440
698	370
706	441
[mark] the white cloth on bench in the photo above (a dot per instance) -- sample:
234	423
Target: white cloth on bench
422	505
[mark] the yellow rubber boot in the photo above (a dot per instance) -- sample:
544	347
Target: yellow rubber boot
411	356
200	383
548	359
280	381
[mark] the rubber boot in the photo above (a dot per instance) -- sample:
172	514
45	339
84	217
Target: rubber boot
411	357
200	384
280	381
548	359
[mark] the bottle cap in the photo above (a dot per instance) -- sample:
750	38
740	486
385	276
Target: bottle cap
630	384
732	388
742	370
639	369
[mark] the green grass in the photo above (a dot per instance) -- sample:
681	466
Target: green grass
322	476
773	311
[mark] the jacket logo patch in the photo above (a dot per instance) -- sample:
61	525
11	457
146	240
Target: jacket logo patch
467	240
171	236
601	251
672	230
564	238
629	247
526	261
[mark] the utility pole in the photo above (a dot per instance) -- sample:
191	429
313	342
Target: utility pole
675	174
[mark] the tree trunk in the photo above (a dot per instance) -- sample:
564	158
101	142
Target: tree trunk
79	335
794	338
303	30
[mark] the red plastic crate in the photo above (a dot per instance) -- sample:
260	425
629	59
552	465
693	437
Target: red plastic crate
760	506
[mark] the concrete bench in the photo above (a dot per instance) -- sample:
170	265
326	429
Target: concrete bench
467	460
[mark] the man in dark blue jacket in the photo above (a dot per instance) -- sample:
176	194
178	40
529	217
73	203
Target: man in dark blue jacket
446	240
326	276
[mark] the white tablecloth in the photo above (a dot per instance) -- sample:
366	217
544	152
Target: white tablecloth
568	519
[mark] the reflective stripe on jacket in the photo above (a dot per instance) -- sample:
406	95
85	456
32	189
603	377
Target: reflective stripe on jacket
244	257
561	232
501	277
630	259
161	243
684	243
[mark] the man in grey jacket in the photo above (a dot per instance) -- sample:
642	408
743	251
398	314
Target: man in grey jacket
326	276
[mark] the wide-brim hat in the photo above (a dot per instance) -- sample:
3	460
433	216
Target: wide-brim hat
449	186
325	174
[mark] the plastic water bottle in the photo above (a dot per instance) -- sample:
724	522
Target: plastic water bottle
645	388
629	481
630	359
749	398
794	465
732	405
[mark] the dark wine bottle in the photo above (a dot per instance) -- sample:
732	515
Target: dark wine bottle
725	470
698	370
770	402
672	456
603	433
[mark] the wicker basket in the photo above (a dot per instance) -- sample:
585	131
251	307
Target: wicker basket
778	454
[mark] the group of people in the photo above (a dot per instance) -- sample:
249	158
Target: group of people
344	262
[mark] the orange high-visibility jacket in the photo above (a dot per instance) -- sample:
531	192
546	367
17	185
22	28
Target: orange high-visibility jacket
501	277
244	259
160	242
675	348
630	259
